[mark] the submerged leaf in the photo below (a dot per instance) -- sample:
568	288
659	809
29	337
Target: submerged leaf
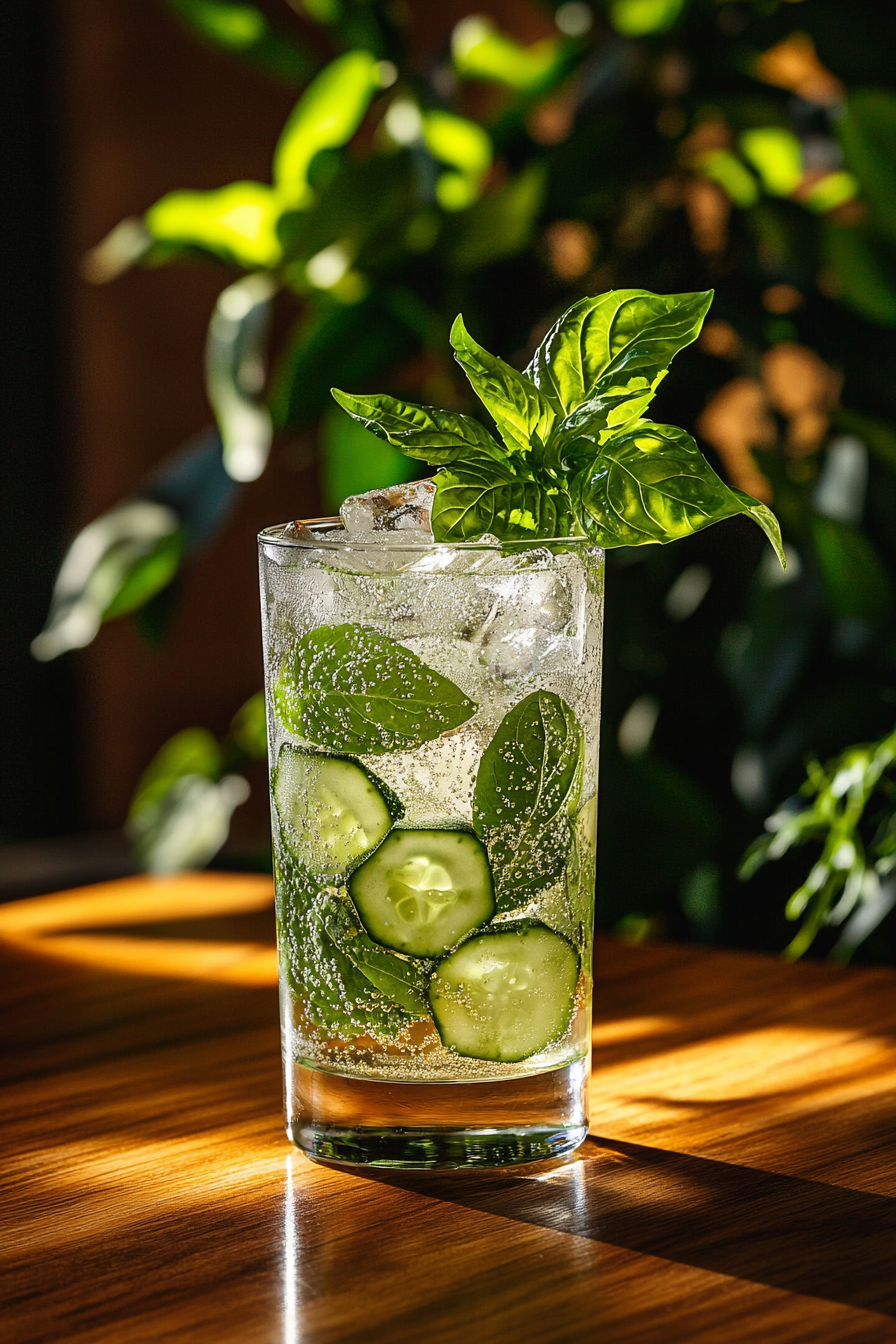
343	983
527	789
348	688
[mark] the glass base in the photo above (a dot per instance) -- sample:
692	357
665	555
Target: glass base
430	1126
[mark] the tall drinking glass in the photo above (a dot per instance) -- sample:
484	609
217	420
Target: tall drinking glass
433	717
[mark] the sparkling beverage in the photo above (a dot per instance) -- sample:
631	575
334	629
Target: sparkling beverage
433	717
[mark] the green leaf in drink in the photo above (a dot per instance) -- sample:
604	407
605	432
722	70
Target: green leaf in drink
397	978
348	688
576	456
345	983
527	790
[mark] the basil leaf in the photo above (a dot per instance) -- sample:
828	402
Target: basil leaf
423	432
324	946
401	980
514	402
625	333
349	688
527	787
653	484
473	499
567	907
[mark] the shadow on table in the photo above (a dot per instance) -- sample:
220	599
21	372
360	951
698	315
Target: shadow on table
781	1231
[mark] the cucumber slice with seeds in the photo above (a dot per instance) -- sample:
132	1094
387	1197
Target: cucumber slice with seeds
424	890
331	812
505	994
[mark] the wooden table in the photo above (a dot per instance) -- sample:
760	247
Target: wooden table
738	1186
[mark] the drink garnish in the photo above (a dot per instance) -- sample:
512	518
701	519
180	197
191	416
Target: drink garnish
576	456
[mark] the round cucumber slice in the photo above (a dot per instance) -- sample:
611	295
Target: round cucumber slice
331	812
505	994
423	891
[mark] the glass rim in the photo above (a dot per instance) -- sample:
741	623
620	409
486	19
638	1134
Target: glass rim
274	536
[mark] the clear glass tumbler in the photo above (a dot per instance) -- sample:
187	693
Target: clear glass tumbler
433	716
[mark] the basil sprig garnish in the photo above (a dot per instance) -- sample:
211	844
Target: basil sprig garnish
576	457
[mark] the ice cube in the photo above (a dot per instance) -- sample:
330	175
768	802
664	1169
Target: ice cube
297	531
397	508
536	620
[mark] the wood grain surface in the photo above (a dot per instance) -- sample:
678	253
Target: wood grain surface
739	1183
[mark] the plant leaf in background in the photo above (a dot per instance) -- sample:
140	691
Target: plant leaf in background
126	557
500	224
347	688
237	223
480	51
113	565
335	342
325	117
864	272
246	31
248	735
193	482
637	18
847	874
855	578
181	809
193	751
867	133
235	373
777	156
466	148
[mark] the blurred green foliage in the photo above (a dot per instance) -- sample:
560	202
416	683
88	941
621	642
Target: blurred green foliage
674	145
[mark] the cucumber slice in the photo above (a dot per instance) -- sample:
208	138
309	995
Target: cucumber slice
505	994
331	812
423	891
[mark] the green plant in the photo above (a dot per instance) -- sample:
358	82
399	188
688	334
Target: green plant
832	809
576	456
669	145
